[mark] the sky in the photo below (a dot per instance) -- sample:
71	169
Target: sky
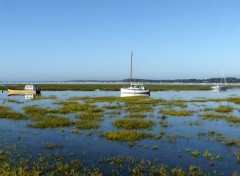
59	40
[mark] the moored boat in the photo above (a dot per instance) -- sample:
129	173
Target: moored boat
29	89
134	89
219	87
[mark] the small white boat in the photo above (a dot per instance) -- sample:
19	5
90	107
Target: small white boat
134	89
219	87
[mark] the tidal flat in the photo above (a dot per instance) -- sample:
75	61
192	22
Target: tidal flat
100	133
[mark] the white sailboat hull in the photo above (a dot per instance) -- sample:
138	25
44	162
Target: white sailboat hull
219	87
134	91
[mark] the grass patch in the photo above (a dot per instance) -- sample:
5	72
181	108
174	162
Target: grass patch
34	110
52	122
89	116
126	136
137	115
12	115
224	109
51	146
228	118
71	108
112	107
139	108
176	113
86	124
4	108
133	124
174	103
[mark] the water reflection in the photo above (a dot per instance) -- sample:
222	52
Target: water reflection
219	91
26	96
29	96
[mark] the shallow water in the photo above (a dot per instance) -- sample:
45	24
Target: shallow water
90	146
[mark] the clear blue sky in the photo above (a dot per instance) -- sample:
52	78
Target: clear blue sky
44	40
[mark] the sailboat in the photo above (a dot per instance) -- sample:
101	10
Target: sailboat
220	86
134	89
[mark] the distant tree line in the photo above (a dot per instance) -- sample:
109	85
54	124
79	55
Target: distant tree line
209	80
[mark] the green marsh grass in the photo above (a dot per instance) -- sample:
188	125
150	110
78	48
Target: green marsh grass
139	108
51	146
90	116
52	122
175	103
72	108
4	108
35	110
66	103
110	87
13	115
126	136
112	107
133	124
195	153
229	118
176	113
137	115
86	124
224	109
208	155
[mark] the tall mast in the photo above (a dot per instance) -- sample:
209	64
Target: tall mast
131	67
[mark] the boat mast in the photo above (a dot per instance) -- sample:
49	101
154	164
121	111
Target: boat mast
224	77
131	67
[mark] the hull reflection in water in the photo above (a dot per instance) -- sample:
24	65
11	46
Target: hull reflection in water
26	96
30	96
134	95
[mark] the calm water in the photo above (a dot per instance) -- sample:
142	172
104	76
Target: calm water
92	147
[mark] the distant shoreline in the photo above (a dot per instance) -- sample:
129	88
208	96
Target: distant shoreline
229	80
114	87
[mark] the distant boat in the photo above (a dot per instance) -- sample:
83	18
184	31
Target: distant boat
134	89
220	86
29	89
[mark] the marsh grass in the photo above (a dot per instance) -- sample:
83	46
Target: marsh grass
51	146
112	107
72	108
208	155
4	108
229	118
87	124
66	103
90	116
195	153
139	108
176	113
126	136
174	103
133	124
52	122
35	110
13	115
137	115
224	109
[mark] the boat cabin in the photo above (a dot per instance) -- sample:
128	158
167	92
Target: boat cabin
30	88
137	86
